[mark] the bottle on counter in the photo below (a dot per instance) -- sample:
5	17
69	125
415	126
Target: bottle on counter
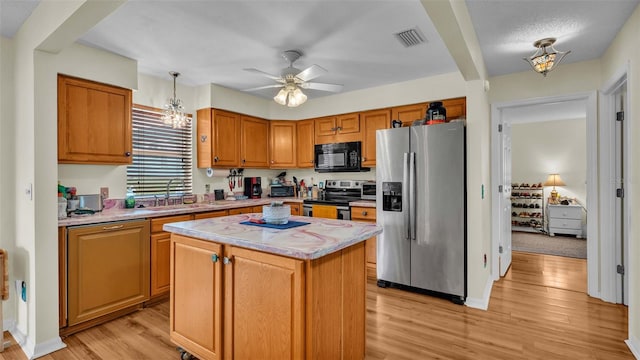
129	200
62	206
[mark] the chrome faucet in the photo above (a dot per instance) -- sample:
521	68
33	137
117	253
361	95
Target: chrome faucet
168	194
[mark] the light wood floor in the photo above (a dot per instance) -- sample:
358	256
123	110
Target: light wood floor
538	311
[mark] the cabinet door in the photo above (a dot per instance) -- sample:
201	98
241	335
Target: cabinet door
372	120
62	276
160	276
226	139
203	138
305	142
108	268
196	321
456	108
325	127
254	147
367	215
295	208
94	122
283	144
409	113
348	123
263	290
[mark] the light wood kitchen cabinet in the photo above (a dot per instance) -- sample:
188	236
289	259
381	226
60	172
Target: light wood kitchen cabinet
305	143
296	208
264	289
456	108
339	128
160	248
62	276
204	149
246	210
367	214
196	321
282	136
372	121
108	269
94	122
409	113
225	139
254	143
252	304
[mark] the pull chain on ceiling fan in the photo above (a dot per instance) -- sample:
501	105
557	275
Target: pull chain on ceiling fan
292	80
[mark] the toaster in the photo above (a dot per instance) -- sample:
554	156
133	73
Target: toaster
90	202
281	191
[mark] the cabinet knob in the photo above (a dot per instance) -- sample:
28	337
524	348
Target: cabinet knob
272	161
226	260
214	258
203	138
364	158
364	213
215	159
128	153
244	160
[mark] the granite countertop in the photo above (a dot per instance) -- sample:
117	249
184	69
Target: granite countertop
315	240
151	212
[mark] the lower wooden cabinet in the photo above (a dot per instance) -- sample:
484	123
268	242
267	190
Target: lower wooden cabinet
108	269
296	208
160	248
246	210
369	215
238	303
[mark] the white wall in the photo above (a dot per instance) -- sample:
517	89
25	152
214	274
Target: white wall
623	52
548	147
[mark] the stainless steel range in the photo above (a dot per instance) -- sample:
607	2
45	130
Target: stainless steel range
338	193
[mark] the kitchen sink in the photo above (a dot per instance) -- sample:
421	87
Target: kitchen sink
177	207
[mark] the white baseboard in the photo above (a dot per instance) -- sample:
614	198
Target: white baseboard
29	348
634	346
481	303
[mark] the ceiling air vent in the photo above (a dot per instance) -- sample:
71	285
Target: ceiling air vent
411	37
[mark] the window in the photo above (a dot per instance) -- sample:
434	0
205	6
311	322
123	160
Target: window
160	154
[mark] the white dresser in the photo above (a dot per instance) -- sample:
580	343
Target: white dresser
565	219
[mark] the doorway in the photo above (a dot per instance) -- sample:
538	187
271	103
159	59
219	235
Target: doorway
501	171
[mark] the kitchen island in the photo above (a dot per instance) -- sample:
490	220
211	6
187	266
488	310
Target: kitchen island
245	291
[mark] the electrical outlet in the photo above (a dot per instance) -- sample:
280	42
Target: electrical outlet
104	193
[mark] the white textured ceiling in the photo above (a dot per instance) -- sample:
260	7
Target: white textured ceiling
212	41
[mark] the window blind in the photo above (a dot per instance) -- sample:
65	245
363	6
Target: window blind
160	153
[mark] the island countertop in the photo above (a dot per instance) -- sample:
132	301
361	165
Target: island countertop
312	241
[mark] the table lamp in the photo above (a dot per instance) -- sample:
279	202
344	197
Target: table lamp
554	180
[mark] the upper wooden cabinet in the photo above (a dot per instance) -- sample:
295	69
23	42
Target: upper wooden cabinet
254	144
283	144
94	122
204	148
456	108
409	113
339	128
304	143
372	121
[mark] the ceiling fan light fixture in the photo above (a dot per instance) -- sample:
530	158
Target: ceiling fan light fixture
281	97
173	114
296	98
546	58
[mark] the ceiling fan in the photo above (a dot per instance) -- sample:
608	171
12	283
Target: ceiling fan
291	80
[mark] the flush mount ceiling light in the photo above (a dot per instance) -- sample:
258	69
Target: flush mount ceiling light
546	58
173	114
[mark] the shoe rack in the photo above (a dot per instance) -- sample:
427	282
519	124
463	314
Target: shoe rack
527	207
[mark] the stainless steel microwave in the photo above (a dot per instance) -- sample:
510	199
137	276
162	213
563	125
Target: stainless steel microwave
339	157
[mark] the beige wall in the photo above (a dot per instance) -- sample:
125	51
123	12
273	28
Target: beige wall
546	147
625	52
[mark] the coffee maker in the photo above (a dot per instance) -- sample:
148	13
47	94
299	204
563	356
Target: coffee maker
252	187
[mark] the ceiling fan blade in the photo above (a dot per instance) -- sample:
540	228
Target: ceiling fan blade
311	72
260	72
322	86
264	87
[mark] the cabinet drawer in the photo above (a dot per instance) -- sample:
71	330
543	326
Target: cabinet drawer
363	213
156	224
565	223
565	212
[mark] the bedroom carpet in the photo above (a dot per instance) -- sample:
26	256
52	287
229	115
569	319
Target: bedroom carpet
558	245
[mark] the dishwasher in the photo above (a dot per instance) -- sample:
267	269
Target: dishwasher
107	269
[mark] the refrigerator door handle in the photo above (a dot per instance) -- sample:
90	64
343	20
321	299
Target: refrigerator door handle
405	197
412	196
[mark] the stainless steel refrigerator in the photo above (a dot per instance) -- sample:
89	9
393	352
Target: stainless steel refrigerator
421	205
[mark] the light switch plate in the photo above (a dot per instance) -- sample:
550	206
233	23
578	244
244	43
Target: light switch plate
104	193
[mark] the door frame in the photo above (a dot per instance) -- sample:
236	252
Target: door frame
593	233
612	252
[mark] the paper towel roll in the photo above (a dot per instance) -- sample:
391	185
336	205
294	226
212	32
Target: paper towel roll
217	172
